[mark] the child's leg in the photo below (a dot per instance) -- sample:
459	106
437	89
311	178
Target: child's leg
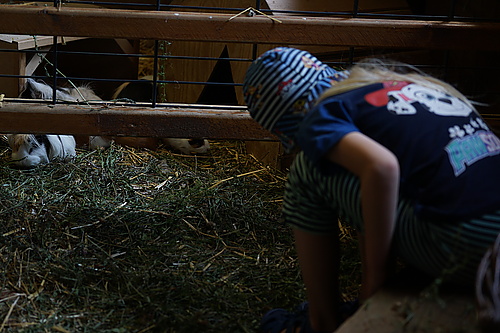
319	263
311	206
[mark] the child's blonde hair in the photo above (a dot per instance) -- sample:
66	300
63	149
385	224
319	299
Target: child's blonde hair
375	70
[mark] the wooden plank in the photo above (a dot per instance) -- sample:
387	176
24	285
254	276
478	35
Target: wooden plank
270	153
23	42
193	70
11	63
224	123
346	6
370	6
201	70
299	30
408	310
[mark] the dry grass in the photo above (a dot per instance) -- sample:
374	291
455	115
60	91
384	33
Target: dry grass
126	240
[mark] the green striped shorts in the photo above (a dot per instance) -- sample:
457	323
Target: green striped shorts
315	203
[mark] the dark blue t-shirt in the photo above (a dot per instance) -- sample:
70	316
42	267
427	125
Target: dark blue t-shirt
449	158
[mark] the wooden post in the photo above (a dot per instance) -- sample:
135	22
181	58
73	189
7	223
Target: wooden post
11	64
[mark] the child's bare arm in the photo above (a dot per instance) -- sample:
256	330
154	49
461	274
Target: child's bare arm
378	171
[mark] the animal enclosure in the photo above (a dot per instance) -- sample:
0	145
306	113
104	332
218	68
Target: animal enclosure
199	50
127	240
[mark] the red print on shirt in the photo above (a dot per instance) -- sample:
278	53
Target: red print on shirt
380	97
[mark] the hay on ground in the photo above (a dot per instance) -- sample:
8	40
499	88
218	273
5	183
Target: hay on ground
127	240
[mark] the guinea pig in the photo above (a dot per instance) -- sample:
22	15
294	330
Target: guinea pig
30	150
142	91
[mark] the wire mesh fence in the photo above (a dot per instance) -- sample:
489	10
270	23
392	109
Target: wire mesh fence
195	71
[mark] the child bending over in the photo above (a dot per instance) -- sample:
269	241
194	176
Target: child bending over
402	157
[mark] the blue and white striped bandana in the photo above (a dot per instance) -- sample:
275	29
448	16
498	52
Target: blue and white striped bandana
282	85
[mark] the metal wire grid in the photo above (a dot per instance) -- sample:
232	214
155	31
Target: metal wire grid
348	58
355	12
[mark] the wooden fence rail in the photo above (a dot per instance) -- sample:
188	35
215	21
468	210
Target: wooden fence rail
104	119
167	25
188	26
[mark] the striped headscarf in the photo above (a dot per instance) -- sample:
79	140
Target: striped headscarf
282	85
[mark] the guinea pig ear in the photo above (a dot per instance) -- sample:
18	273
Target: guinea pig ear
43	140
34	89
16	140
26	90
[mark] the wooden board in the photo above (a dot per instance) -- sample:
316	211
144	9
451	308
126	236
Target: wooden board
194	70
270	153
200	70
339	6
174	121
11	64
371	6
107	23
15	63
24	42
408	310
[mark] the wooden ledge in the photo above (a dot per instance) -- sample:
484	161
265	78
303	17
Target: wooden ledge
222	123
411	306
296	30
173	120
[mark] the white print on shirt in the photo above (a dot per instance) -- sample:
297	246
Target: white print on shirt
470	144
440	103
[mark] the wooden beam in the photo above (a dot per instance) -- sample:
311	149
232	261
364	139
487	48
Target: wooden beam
224	123
216	122
407	309
296	30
